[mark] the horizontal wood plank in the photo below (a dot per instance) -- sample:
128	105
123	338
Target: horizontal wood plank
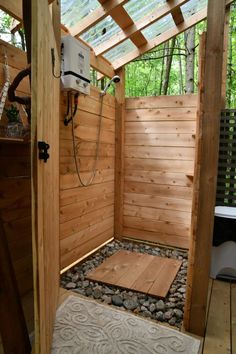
186	127
164	227
178	216
154	201
152	152
189	100
159	165
157	237
159	114
168	140
158	177
154	189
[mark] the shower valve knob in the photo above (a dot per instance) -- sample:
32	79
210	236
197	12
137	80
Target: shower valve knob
43	150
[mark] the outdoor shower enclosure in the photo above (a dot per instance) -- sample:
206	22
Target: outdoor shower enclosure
153	182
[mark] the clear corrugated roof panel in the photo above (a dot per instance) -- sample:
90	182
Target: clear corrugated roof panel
159	27
193	6
138	9
72	11
101	32
120	50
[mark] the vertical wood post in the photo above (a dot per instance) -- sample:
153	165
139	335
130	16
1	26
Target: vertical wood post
45	175
206	176
119	154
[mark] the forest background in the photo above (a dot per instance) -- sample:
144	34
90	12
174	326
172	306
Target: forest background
169	69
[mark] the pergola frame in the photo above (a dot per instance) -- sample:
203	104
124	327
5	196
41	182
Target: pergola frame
128	29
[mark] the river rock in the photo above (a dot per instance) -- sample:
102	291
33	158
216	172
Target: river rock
160	306
130	304
70	285
117	300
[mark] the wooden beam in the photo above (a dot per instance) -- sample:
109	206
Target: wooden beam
97	15
119	154
45	176
132	29
197	163
14	8
101	64
122	18
164	37
205	178
177	16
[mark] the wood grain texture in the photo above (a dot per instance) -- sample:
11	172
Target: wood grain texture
206	169
134	271
45	186
233	317
86	213
119	156
217	339
159	156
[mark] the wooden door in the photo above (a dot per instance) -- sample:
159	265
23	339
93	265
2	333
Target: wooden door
45	175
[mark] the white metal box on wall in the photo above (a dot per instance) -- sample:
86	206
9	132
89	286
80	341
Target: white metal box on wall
75	65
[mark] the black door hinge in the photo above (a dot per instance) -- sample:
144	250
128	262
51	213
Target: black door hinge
43	151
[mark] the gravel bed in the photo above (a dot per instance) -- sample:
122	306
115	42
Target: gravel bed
169	310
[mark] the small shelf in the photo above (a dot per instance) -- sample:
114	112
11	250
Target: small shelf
5	139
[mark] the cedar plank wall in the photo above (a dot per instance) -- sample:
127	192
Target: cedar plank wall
15	185
159	162
87	213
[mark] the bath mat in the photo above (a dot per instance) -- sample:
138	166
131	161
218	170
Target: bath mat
84	326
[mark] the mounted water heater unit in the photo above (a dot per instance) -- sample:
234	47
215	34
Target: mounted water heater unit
75	65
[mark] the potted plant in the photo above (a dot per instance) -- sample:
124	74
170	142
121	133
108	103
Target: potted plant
14	125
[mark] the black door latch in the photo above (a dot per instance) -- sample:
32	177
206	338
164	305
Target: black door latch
43	150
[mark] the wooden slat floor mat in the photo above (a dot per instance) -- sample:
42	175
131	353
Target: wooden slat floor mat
145	273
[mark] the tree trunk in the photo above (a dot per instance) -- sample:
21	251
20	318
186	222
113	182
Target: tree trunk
190	54
162	67
168	66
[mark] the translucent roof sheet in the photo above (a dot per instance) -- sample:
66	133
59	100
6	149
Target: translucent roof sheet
138	9
158	27
193	6
72	11
101	32
120	50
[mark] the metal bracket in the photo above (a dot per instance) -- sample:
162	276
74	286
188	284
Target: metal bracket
43	150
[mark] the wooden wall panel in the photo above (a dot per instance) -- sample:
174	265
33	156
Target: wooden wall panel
159	160
15	183
15	212
86	213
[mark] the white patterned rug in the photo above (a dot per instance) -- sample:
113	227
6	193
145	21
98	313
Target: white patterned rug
84	326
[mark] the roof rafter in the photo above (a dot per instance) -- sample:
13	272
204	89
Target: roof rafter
140	25
97	15
14	8
177	16
164	37
122	18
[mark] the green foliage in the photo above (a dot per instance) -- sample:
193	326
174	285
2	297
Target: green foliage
12	114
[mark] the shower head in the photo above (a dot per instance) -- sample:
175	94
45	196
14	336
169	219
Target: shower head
115	79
